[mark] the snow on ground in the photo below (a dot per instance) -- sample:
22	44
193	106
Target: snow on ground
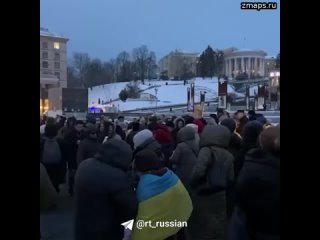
172	94
107	92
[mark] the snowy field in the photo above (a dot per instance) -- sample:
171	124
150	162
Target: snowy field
172	94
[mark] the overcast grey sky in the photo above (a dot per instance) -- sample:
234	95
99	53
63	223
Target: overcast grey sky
103	28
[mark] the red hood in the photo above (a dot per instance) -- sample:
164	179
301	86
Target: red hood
162	134
200	125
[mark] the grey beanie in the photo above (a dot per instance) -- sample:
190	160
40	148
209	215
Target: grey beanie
141	137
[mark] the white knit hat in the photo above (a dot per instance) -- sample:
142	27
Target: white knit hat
141	137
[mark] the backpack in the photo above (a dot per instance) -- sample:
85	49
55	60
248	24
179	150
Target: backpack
51	153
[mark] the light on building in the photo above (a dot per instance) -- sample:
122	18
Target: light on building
56	45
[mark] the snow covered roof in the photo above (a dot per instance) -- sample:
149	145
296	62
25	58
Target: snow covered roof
45	32
270	57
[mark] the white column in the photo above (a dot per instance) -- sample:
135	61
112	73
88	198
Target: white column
249	66
235	64
255	65
242	64
230	67
262	66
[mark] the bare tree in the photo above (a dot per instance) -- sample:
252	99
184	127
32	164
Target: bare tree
151	65
81	62
123	66
140	56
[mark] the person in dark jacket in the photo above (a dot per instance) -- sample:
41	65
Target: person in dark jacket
252	115
134	129
250	135
71	142
120	132
68	128
234	148
162	134
258	187
104	194
89	146
235	141
185	155
51	156
209	220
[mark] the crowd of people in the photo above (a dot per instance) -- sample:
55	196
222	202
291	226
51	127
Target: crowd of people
220	175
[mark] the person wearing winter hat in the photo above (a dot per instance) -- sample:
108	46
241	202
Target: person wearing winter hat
258	187
157	192
163	136
145	140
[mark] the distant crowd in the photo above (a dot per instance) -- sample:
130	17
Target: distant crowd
220	175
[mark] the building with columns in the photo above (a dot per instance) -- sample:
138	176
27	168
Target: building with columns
53	64
244	63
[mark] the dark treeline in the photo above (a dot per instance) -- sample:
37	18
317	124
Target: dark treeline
85	72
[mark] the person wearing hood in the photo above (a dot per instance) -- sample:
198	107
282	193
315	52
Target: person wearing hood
258	187
185	155
200	125
104	194
196	134
178	124
89	146
250	135
212	175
